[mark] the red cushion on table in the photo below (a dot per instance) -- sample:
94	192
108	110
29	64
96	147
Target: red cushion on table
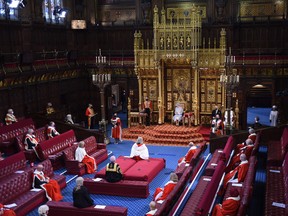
145	170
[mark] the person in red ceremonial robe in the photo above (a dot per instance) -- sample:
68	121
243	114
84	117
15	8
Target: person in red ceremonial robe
229	206
90	114
30	140
82	156
5	211
10	118
152	207
162	193
252	136
116	132
187	158
217	125
51	130
51	186
239	173
246	149
139	150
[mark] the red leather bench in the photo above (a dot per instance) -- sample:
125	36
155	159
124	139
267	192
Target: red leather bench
12	163
53	148
67	208
277	149
220	154
7	134
95	150
277	189
18	190
202	197
30	155
122	188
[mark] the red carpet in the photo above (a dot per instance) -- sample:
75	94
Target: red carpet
166	134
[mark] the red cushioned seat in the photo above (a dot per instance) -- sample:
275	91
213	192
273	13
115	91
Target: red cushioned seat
67	208
145	170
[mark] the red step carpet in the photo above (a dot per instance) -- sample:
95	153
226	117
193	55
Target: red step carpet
167	134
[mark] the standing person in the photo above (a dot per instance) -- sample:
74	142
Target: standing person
257	123
116	131
147	110
216	111
113	171
217	125
51	186
162	193
49	108
10	118
82	157
81	196
139	150
90	115
69	119
124	101
229	206
273	116
30	140
51	130
5	211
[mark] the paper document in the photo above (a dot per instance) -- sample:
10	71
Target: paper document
100	206
160	201
274	171
281	205
237	184
97	179
36	189
213	164
10	205
19	171
206	179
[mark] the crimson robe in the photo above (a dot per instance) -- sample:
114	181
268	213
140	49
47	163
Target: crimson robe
187	158
241	172
116	129
162	193
228	207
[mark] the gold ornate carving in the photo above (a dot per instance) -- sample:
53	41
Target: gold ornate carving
152	89
185	12
181	79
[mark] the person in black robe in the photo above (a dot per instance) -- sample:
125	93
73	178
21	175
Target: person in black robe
81	196
113	171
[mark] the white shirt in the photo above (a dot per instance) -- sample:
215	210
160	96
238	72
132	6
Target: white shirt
80	154
141	151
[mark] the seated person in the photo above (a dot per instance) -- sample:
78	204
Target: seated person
238	174
5	211
10	118
139	150
82	156
30	140
252	136
217	125
43	210
81	196
228	206
162	193
69	119
187	158
152	207
49	108
246	149
113	171
51	186
51	130
178	113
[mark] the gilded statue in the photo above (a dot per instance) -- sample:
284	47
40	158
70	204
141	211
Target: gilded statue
188	42
168	43
175	45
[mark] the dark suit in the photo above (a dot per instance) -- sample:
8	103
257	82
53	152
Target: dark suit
216	112
81	198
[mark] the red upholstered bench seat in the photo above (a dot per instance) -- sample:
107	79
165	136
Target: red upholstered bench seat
122	188
53	148
277	149
67	208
